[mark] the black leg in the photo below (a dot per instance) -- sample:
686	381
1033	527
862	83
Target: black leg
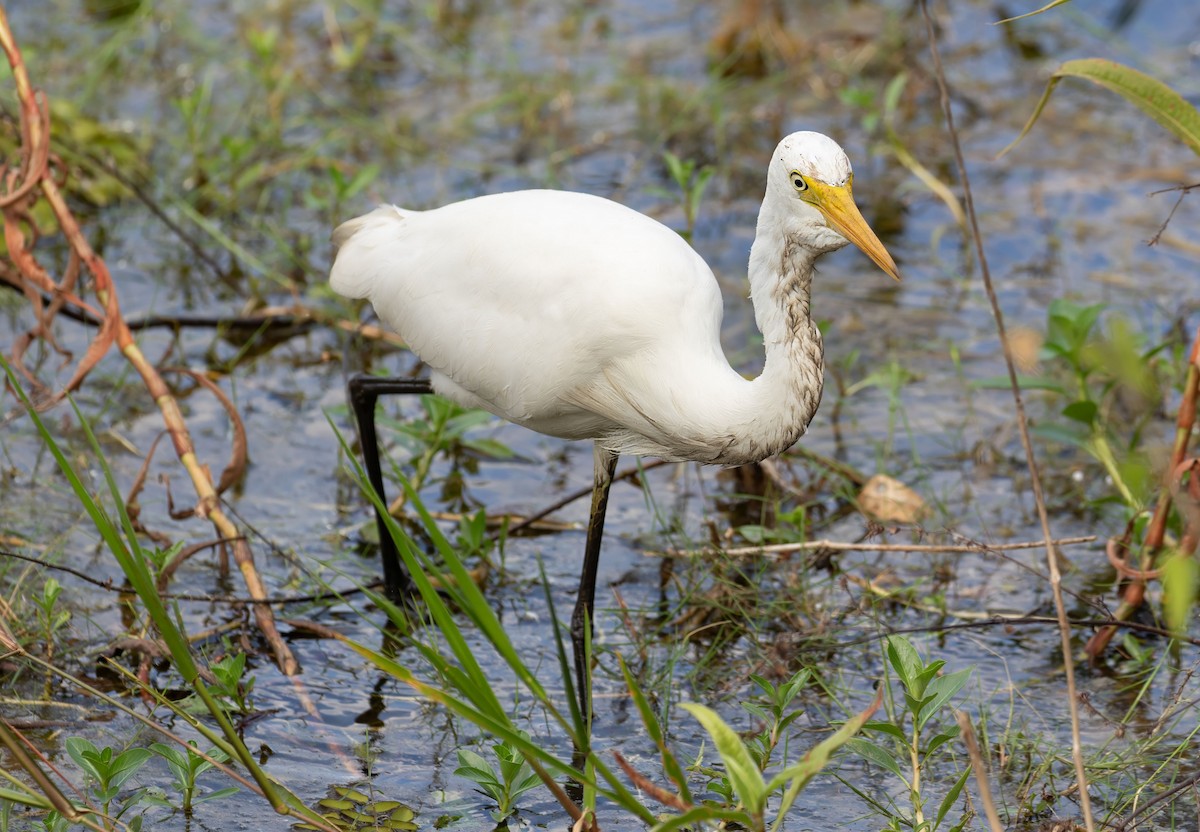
585	604
364	391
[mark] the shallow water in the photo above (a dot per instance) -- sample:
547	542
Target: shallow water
586	96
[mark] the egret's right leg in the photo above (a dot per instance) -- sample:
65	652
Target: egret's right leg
582	620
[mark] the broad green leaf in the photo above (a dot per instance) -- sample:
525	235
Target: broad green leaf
887	728
1154	97
1181	577
874	754
1082	411
126	765
940	690
471	760
744	776
904	659
941	739
84	754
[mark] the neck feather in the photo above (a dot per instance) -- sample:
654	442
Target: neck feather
784	398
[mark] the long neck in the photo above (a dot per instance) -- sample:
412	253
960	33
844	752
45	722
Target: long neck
707	411
784	398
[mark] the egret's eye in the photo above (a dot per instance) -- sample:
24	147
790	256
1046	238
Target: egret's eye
798	182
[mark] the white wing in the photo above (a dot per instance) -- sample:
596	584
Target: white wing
564	312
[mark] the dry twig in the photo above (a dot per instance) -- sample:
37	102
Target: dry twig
1035	480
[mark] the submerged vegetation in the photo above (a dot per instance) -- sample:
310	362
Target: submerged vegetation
861	633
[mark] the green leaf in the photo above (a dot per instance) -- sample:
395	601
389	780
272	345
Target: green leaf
1024	382
951	796
466	420
887	728
225	792
940	690
1180	579
941	739
1154	97
744	776
126	765
84	754
1082	411
905	660
816	759
874	754
365	176
490	448
923	678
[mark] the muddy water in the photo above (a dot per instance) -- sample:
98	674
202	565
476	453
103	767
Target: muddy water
491	97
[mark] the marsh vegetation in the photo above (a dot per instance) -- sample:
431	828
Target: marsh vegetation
170	261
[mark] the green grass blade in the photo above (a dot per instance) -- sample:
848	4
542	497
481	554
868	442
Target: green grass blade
744	776
1155	98
475	605
135	568
133	563
486	711
1044	8
478	688
697	815
816	759
650	720
582	736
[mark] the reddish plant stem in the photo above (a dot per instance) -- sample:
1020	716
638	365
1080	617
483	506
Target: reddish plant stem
35	167
1134	593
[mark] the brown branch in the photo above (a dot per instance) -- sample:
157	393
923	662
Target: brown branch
236	468
204	597
644	783
1150	806
295	316
579	494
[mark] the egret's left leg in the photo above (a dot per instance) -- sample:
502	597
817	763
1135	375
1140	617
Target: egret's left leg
364	391
582	620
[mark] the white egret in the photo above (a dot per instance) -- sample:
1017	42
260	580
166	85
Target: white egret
581	318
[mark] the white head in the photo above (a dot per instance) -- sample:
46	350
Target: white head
809	181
